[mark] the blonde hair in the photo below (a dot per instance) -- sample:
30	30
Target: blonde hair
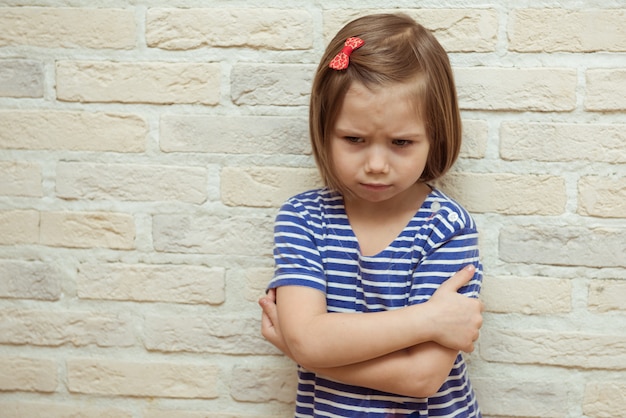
396	49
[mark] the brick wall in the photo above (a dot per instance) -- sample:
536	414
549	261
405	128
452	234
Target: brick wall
145	148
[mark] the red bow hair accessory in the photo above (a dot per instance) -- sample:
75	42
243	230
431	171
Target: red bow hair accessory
342	59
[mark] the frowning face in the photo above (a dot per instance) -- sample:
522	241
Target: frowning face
379	145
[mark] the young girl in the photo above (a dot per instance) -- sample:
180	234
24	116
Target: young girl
364	296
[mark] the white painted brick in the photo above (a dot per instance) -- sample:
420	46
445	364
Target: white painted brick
517	89
257	280
606	90
602	196
206	334
475	138
278	29
582	350
604	399
18	409
151	283
28	374
563	142
21	78
263	384
105	376
265	186
210	234
60	27
607	295
271	84
458	30
19	227
527	295
133	182
72	130
564	245
20	178
138	82
510	194
30	280
56	328
551	30
169	413
87	230
235	134
521	397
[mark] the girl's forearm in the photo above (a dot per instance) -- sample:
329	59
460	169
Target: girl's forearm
318	339
417	371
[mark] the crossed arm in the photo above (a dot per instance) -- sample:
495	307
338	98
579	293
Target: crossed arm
407	351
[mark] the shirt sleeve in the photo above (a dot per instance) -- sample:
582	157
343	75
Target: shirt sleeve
296	255
452	244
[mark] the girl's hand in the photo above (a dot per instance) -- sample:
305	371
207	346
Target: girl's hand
456	318
270	328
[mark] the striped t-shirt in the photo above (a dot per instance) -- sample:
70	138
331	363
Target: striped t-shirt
316	247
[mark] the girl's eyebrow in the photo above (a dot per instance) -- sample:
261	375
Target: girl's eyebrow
402	135
407	135
348	131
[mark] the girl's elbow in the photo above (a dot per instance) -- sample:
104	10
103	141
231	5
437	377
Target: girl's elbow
303	359
429	389
304	353
425	385
312	362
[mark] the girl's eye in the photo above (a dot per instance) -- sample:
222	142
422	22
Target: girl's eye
353	139
402	142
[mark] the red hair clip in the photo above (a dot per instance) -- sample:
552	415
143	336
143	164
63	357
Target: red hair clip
342	59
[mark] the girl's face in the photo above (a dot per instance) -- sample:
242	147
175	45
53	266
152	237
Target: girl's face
379	146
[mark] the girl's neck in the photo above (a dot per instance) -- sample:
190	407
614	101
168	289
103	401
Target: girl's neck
377	225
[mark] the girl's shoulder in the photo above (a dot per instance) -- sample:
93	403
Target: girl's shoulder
443	210
312	212
314	201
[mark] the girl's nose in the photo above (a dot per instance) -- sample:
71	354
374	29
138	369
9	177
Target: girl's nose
377	161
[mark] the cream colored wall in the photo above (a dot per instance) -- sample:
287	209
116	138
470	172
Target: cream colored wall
146	145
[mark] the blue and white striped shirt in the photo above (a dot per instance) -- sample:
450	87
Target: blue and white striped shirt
316	247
